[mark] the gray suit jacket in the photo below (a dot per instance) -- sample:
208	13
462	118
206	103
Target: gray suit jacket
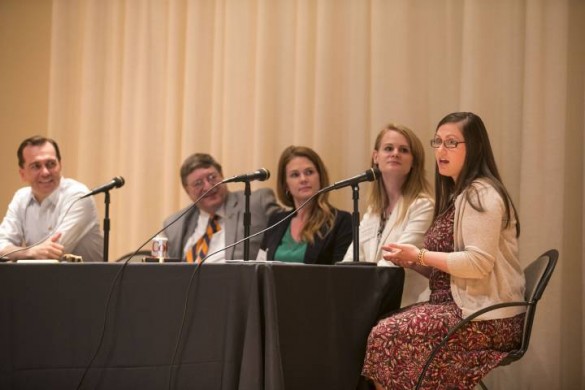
262	206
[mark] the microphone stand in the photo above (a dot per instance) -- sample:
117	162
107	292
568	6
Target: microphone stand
106	226
247	220
356	223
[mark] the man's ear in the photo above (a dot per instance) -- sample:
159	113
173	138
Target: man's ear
21	173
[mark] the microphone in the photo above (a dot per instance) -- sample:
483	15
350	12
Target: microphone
116	182
261	175
369	175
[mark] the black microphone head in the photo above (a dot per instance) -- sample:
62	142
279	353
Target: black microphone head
263	174
260	174
119	181
373	174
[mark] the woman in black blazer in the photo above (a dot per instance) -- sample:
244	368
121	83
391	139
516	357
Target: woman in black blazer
318	233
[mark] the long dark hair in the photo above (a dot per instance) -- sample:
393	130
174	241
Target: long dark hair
479	163
321	212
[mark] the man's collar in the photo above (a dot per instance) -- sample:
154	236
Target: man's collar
51	199
220	212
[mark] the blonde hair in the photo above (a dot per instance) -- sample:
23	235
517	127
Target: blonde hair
416	184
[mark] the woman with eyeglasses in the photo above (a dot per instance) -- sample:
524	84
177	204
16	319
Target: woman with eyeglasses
400	207
316	234
470	254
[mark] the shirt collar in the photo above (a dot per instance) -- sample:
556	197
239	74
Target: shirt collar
50	200
220	212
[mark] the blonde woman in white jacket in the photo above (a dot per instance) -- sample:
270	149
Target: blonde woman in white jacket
470	254
400	207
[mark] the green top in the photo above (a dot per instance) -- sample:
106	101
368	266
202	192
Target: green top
289	250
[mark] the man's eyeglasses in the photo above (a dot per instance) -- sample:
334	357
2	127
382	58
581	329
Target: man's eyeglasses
448	143
212	178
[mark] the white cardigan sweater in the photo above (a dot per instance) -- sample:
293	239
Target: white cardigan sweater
484	267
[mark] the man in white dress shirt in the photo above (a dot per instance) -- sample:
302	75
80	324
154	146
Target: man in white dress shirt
47	219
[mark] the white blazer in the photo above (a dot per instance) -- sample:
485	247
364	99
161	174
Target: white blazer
410	230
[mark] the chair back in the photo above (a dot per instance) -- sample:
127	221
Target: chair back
537	275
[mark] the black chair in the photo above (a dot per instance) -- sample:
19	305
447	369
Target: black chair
537	275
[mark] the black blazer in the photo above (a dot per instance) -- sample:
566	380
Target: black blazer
327	250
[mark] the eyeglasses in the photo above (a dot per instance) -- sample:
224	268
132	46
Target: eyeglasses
448	143
212	178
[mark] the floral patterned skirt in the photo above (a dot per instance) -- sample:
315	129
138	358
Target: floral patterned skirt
399	345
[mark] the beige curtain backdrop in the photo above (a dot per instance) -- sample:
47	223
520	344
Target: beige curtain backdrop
136	86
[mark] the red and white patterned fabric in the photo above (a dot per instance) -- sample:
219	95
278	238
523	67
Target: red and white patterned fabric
399	345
